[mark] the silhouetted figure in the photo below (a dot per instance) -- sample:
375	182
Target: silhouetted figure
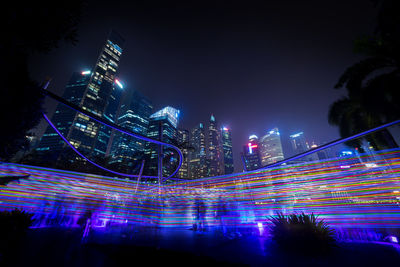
222	211
200	213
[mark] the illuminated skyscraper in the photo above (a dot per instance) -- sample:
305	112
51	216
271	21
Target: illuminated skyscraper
251	154
214	149
299	143
198	157
163	126
184	142
135	115
271	147
101	97
51	144
227	150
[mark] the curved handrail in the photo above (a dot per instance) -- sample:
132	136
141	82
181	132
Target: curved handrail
111	125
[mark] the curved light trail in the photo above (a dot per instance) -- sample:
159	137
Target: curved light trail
345	192
112	126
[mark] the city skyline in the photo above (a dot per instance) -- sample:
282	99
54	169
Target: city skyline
234	63
214	132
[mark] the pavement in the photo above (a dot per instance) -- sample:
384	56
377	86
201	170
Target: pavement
151	246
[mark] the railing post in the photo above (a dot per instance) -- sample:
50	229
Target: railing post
160	153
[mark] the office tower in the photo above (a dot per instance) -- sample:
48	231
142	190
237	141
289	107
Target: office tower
102	96
51	145
197	157
214	149
135	114
227	150
184	143
271	147
251	154
299	144
163	126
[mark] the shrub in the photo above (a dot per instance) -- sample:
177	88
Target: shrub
13	227
302	233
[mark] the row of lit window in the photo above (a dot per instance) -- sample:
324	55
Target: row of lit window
111	47
113	55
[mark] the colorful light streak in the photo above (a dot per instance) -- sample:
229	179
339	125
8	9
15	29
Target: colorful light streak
357	197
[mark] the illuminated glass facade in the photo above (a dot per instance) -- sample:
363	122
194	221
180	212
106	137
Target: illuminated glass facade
51	144
198	157
214	149
135	116
271	147
102	97
251	154
162	126
299	144
183	143
226	138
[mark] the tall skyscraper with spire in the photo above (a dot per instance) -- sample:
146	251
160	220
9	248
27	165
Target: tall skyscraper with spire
214	149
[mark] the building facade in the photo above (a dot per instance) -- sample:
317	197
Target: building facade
51	145
198	157
251	154
226	137
101	97
271	147
214	149
299	143
128	151
184	144
163	127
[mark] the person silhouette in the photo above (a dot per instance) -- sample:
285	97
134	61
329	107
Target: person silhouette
200	212
222	211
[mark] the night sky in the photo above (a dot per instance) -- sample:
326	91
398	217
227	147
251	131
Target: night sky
254	64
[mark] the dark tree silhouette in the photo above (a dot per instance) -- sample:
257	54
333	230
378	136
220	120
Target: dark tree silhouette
30	27
373	84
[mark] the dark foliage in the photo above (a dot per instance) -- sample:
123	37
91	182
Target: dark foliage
31	27
372	85
13	228
301	233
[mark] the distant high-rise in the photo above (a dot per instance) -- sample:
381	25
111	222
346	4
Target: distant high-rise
50	143
316	156
322	154
226	138
214	149
163	126
101	97
198	157
184	142
251	154
134	116
271	147
299	143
